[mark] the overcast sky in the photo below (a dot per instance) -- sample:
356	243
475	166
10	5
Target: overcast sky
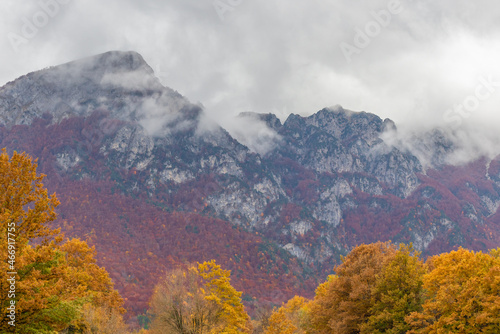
413	62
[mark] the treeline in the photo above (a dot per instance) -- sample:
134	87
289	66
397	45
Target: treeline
378	288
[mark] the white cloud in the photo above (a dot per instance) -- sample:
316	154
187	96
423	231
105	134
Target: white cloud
252	132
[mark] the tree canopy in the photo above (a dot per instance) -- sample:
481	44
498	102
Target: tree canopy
462	294
382	288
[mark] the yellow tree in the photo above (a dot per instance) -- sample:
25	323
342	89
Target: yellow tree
320	307
85	279
462	294
24	201
179	305
279	323
49	282
26	210
102	320
290	318
198	299
219	290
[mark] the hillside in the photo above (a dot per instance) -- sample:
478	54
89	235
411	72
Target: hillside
142	173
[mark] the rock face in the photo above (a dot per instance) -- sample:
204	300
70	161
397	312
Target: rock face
330	183
340	141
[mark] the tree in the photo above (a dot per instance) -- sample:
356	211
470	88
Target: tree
290	318
24	201
462	294
398	291
53	281
220	291
179	304
260	320
321	313
344	304
86	279
280	324
102	320
26	211
199	299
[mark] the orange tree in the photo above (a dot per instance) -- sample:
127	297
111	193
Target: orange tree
345	302
462	294
44	283
374	289
290	318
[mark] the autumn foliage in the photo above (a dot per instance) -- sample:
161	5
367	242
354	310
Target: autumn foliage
139	237
381	288
462	294
54	281
198	299
292	318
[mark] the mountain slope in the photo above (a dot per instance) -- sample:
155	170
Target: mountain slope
143	173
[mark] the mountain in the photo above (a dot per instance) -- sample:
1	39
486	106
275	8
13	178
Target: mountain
151	182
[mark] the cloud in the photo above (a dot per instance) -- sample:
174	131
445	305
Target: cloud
285	55
163	114
251	131
445	146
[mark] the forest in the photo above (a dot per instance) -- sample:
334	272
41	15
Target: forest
53	284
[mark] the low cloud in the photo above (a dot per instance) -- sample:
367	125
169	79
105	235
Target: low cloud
445	145
133	81
158	113
252	132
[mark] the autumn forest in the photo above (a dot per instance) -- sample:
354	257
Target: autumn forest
53	284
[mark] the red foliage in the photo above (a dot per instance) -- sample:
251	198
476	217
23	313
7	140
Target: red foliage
137	242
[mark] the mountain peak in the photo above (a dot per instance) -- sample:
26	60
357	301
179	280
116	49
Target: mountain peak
112	61
125	69
118	81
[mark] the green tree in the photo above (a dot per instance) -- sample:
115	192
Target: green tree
398	291
375	288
